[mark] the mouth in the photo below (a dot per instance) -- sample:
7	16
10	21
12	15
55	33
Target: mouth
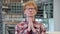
30	13
30	16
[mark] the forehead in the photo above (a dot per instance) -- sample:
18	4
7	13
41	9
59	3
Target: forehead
30	7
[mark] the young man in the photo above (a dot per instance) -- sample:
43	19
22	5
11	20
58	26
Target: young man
30	26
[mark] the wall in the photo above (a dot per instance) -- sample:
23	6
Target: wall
57	15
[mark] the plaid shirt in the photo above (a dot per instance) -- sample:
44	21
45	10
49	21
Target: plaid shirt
21	28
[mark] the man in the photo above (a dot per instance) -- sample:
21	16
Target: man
30	26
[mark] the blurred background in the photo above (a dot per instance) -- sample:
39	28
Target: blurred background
11	13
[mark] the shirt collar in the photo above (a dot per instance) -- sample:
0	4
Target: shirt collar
27	22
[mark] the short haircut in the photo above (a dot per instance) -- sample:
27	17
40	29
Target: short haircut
30	3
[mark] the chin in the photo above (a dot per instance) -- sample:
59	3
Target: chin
31	15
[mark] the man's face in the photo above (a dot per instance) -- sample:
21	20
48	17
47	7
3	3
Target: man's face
30	11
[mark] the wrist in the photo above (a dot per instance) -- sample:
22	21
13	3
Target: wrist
28	30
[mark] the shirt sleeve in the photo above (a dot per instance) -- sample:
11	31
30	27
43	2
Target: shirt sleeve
18	30
43	29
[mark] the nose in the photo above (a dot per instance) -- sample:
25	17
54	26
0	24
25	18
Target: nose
30	10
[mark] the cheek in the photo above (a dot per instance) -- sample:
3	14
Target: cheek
35	12
25	12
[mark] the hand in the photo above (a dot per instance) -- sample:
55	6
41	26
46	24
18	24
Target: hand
30	25
33	29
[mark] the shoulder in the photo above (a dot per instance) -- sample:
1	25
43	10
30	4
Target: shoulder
42	25
39	23
20	24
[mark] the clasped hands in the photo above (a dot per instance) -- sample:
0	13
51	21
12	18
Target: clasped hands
31	26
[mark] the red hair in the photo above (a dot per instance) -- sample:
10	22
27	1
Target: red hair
30	3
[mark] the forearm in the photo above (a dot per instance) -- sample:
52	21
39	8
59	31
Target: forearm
43	32
35	31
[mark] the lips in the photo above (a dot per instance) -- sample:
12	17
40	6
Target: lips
30	13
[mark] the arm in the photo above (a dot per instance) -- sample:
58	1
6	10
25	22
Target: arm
43	29
16	30
21	30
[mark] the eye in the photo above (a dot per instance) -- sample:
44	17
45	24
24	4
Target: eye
30	8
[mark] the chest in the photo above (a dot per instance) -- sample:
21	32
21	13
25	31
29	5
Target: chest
36	26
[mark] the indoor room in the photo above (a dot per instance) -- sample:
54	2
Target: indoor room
12	13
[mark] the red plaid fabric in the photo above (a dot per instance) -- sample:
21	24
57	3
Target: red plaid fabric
21	28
